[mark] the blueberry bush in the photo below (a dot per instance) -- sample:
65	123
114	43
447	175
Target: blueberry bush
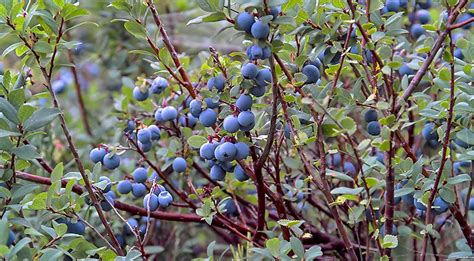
236	130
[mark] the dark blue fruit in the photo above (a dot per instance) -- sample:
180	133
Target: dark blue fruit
246	118
244	102
217	82
429	131
97	154
154	132
249	71
111	161
244	21
254	52
139	94
131	225
229	207
195	107
373	128
225	152
392	5
423	16
243	150
144	135
165	199
440	206
349	169
211	104
108	183
419	205
264	77
140	175
260	30
405	70
208	117
150	202
11	238
311	72
179	164
124	187
240	174
169	113
207	150
258	91
138	190
370	115
158	85
217	173
417	30
231	124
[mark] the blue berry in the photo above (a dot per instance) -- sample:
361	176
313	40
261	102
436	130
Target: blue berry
244	21
195	107
441	205
124	187
154	132
231	124
158	189
423	16
334	159
179	164
107	203
145	147
225	152
169	113
97	155
188	121
312	73
458	54
211	104
217	82
246	118
417	30
424	4
471	204
131	125
254	52
140	175
419	205
349	169
165	198
274	11
138	190
140	95
373	128
144	135
429	131
240	174
392	5
260	30
405	70
258	91
266	52
264	77
207	150
394	230
243	150
76	228
370	115
158	85
111	161
158	116
131	225
11	238
150	202
58	86
217	173
249	71
208	117
108	183
244	102
229	206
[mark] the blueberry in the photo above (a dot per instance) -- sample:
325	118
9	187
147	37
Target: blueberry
145	147
131	225
312	73
217	173
158	116
138	190
243	150
423	16
131	125
424	4
227	166
334	159
254	52
266	52
264	77
429	131
154	132
140	175
142	229
380	157
225	152
144	135
471	204
408	199
244	102
244	21
442	206
97	154
231	124
158	189
240	174
169	113
349	169
217	82
107	203
207	150
139	94
158	85
249	71
150	202
208	117
195	107
229	206
260	30
464	17
392	5
258	91
458	54
405	70
274	11
316	62
111	161
370	115
419	205
179	164
165	199
373	128
211	104
246	118
108	185
187	121
417	30
121	239
11	238
394	230
58	86
76	228
124	187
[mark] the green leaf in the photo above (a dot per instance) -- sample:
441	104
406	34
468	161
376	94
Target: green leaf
40	118
8	111
5	133
11	48
210	5
346	190
212	17
135	29
26	152
57	173
459	179
210	249
390	241
297	246
196	141
4	230
313	252
375	5
273	245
